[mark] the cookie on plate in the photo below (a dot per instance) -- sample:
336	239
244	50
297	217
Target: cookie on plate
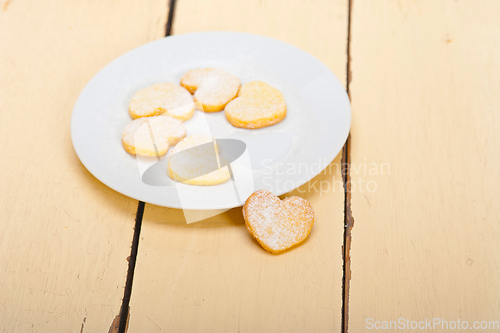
213	88
152	136
277	224
257	105
163	98
195	161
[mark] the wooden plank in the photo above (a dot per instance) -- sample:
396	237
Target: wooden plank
64	236
211	276
424	90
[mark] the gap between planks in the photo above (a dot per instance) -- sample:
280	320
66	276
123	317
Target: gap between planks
346	178
124	315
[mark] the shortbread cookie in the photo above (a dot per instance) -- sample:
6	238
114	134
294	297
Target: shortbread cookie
152	136
257	105
162	98
193	79
195	161
212	88
277	224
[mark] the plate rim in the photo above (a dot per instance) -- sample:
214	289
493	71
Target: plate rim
334	151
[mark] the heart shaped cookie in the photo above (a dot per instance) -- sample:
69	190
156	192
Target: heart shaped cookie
163	98
196	161
257	105
277	224
213	88
152	136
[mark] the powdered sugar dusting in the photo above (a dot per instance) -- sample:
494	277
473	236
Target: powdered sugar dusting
278	225
193	79
163	98
257	105
212	87
162	131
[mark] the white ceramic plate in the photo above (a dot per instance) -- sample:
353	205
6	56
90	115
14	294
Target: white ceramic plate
278	158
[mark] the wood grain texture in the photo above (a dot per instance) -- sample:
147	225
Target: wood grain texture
317	26
211	276
64	236
424	90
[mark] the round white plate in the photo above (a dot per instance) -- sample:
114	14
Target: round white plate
278	158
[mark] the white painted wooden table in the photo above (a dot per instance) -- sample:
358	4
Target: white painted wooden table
416	237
